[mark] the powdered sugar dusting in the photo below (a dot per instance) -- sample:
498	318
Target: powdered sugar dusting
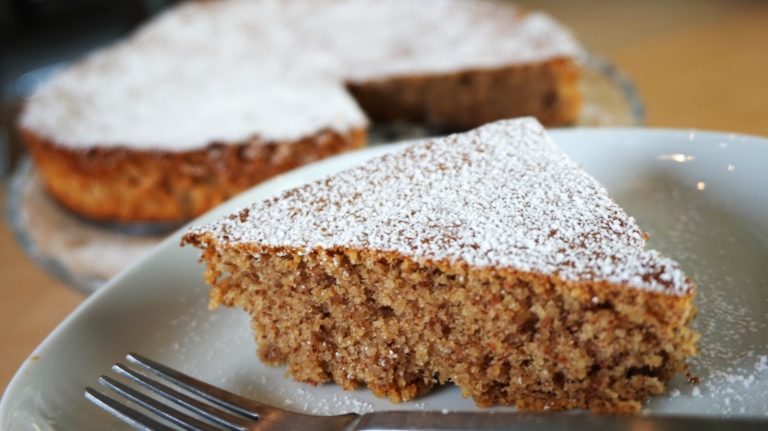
229	71
306	400
502	195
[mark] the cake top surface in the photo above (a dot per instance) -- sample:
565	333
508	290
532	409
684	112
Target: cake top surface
231	70
502	195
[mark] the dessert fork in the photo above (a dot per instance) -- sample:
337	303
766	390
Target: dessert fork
214	409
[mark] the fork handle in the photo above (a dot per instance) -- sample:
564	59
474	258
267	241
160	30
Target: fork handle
437	421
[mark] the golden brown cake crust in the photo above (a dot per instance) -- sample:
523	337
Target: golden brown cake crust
127	185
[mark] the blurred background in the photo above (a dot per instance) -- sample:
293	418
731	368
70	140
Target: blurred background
696	64
680	54
40	36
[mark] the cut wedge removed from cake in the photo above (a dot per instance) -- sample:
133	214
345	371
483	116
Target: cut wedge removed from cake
488	259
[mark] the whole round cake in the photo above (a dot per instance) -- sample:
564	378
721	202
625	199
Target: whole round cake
212	97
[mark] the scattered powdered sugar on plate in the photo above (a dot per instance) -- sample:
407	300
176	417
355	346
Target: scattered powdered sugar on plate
726	259
308	401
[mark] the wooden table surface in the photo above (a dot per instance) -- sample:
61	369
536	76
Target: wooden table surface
697	64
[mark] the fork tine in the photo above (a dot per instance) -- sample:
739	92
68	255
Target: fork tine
208	411
183	420
124	413
216	395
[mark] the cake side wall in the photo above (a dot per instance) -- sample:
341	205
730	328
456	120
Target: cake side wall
469	98
400	327
117	184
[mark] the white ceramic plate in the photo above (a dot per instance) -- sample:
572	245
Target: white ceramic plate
703	197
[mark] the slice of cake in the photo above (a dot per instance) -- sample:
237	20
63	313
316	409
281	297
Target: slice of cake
488	259
210	98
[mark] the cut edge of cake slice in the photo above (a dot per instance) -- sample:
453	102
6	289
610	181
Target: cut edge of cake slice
488	259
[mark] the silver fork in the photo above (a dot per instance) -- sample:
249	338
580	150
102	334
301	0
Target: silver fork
227	411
